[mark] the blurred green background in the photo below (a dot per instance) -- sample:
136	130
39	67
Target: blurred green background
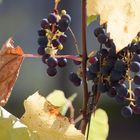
21	20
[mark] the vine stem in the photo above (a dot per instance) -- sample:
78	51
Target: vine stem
84	66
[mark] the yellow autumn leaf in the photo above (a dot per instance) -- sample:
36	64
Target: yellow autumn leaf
44	118
122	18
99	127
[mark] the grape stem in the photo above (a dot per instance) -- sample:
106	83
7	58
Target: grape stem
75	40
84	66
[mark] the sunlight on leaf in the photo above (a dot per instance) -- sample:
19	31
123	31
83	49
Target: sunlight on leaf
48	123
99	127
13	130
10	62
122	18
57	98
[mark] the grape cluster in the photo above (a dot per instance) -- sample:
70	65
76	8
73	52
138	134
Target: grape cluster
113	72
51	39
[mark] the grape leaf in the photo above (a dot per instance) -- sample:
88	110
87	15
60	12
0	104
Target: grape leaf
13	129
57	98
10	62
122	18
99	127
44	118
90	19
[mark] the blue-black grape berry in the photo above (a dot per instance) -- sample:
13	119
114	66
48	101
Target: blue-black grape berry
41	50
45	24
41	32
62	62
51	71
66	17
52	18
63	38
52	62
126	111
63	25
43	41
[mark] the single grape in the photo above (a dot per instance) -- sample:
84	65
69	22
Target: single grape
43	41
102	38
41	50
112	53
41	32
45	58
103	87
115	76
52	62
109	43
52	18
119	66
122	90
62	62
77	82
45	24
137	91
63	25
137	79
55	43
66	17
72	76
136	57
98	31
51	71
126	111
62	38
132	47
104	52
138	48
135	66
112	92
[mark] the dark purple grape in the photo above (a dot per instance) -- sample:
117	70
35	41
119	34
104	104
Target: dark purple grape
45	24
122	90
119	66
63	25
45	58
63	38
138	101
137	91
52	62
55	43
77	82
137	79
103	87
62	62
72	76
41	51
126	111
135	66
115	76
132	47
43	41
102	38
41	32
138	48
104	53
66	17
112	92
136	58
52	18
110	44
51	71
98	31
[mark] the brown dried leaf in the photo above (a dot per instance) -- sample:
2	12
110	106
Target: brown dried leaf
10	62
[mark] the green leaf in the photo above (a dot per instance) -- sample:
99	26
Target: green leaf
99	127
90	19
57	98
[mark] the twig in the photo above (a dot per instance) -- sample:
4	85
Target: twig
75	40
78	119
84	65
